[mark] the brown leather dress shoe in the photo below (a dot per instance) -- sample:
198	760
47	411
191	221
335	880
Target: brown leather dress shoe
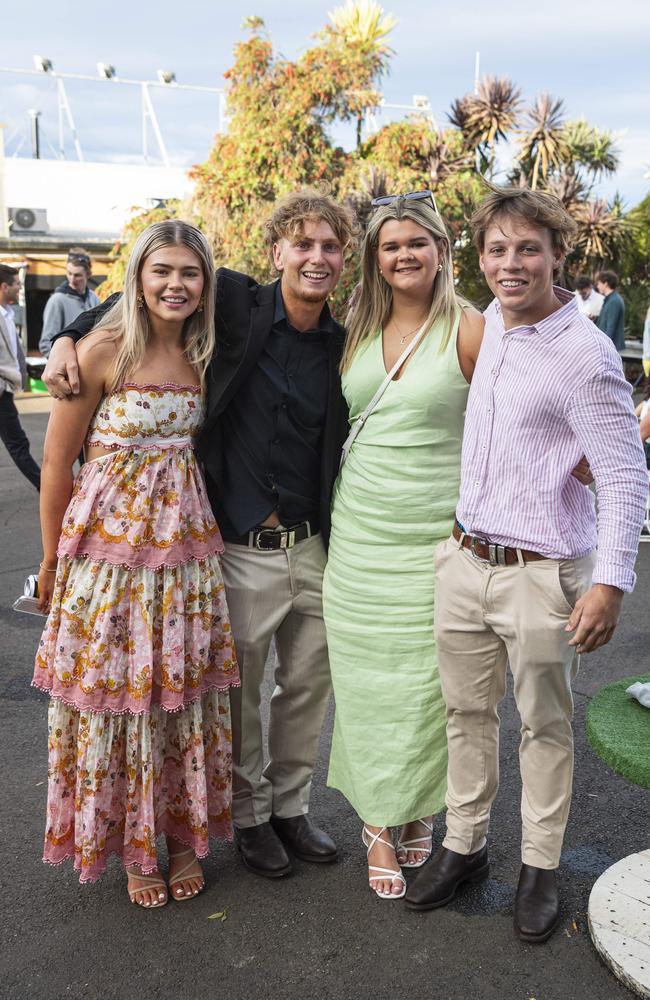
305	840
537	908
262	851
439	880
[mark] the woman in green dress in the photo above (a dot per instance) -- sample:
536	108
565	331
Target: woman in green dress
393	502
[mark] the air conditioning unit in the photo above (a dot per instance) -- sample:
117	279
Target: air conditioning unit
30	221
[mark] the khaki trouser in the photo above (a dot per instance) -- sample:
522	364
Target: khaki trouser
276	594
487	616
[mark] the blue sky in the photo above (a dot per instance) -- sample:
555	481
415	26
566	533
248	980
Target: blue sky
595	56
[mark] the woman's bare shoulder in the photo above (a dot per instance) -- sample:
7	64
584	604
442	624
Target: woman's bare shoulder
470	338
98	346
96	353
472	322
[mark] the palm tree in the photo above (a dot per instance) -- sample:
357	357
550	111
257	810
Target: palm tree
441	158
602	231
372	184
462	117
362	25
254	23
593	148
488	115
543	144
568	186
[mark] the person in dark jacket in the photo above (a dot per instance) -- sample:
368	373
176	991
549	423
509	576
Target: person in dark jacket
611	319
271	442
69	299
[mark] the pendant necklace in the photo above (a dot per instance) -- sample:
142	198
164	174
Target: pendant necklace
405	336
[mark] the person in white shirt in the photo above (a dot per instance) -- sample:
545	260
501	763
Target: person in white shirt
13	373
590	302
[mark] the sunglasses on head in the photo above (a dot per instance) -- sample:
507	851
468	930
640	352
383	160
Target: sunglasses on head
390	199
79	258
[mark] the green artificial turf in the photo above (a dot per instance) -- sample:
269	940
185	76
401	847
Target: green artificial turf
618	729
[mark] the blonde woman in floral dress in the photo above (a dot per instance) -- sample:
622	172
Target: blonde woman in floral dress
137	654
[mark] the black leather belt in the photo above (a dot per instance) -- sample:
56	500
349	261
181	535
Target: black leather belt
269	539
496	555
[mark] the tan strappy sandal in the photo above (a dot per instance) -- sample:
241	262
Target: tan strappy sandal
147	882
182	875
383	873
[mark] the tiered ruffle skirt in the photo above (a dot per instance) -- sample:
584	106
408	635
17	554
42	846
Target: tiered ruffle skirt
137	656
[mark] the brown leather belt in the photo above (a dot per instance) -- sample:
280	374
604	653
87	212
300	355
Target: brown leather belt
496	555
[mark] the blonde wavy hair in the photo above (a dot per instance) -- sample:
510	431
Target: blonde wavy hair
128	320
309	205
373	299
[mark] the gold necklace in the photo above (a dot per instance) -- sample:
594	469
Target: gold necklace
405	336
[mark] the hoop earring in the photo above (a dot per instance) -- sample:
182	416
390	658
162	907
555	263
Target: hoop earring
140	299
440	267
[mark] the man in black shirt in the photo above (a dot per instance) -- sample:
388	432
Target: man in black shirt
271	442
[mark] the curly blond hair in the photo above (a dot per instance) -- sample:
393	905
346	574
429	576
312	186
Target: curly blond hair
310	205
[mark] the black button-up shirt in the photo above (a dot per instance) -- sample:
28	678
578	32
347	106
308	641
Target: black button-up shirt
272	430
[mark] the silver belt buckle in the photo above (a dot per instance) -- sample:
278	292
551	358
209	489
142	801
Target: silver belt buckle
497	554
477	541
262	533
287	536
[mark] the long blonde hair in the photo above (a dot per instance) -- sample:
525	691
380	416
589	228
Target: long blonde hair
372	306
128	319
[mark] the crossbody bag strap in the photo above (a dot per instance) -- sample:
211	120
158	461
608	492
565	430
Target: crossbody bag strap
361	419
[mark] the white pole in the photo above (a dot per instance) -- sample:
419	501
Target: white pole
151	113
61	137
145	153
65	105
477	71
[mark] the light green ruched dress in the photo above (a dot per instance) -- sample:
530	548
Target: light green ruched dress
393	502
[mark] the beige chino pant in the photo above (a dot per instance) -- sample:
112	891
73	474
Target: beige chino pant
486	617
277	594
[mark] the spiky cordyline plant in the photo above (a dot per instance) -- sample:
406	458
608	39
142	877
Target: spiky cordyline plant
543	146
363	24
488	115
602	229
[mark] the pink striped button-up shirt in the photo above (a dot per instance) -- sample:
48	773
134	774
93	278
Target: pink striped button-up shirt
541	397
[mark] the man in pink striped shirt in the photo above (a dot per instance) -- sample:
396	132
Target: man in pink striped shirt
521	580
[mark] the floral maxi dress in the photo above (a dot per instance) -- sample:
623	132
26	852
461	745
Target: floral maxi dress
137	652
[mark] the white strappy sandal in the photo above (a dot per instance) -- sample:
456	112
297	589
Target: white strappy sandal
414	845
382	872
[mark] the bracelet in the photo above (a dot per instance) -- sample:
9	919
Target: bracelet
45	568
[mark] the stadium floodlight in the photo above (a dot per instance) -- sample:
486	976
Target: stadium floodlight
166	76
43	65
106	70
421	102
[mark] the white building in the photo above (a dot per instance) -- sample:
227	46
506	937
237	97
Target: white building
47	206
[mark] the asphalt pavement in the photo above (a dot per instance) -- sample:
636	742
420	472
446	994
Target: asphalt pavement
319	933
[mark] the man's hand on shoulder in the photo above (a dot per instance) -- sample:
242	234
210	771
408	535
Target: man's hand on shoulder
61	375
582	472
595	617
